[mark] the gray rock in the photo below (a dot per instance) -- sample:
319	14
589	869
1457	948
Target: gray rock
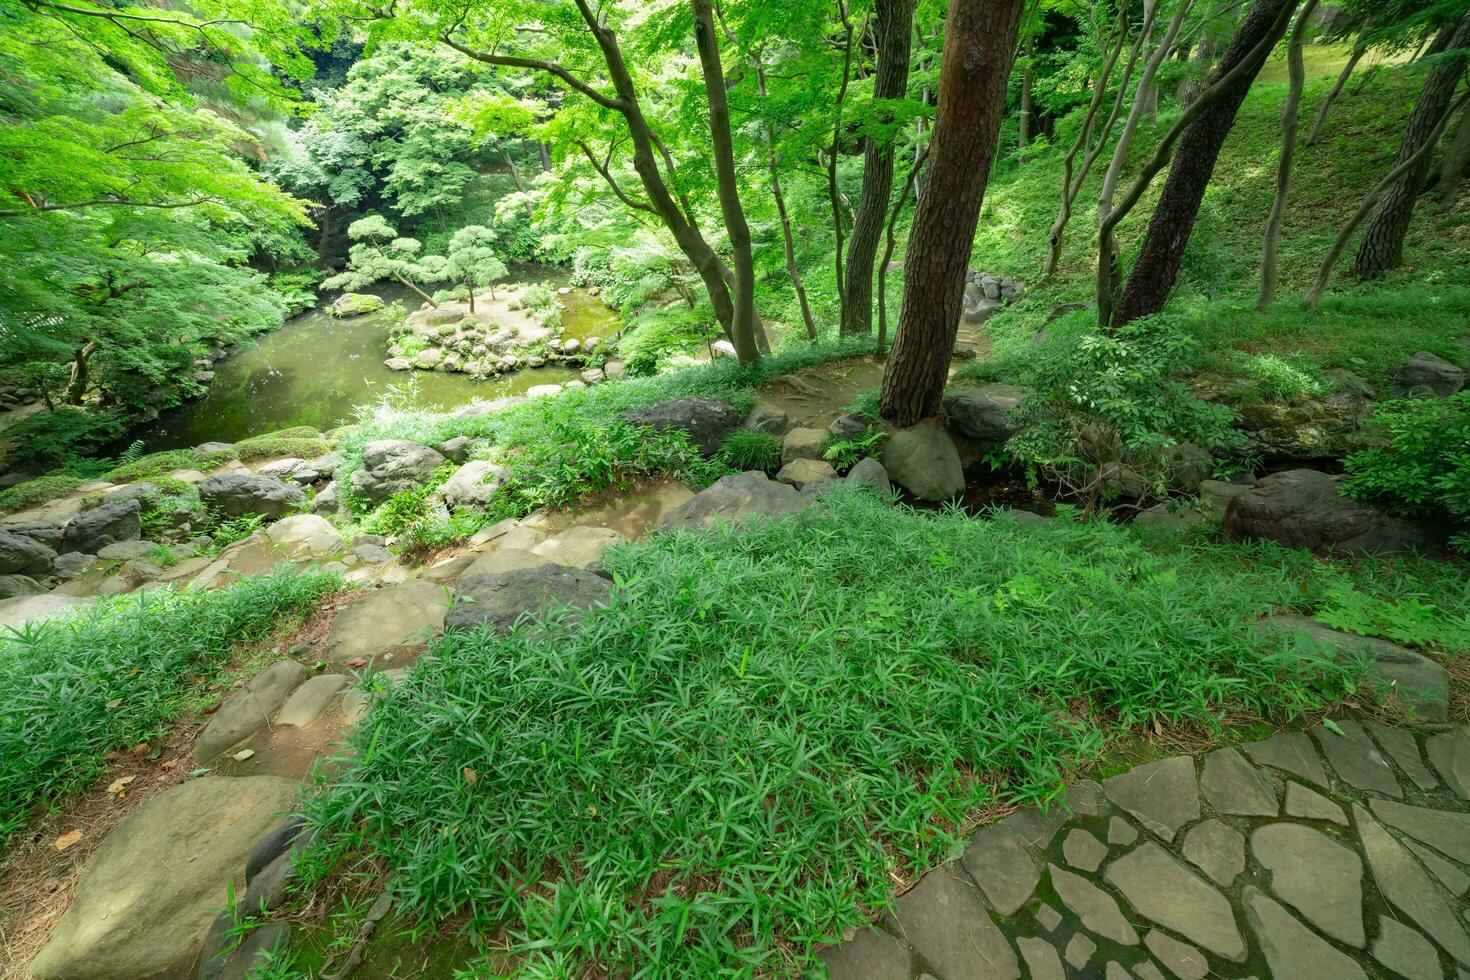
72	564
1441	829
1217	850
1320	878
1232	786
282	469
849	427
1083	851
1303	509
19	585
326	502
1217	494
1120	831
1003	868
924	461
307	702
149	892
1355	758
19	610
1164	891
401	617
126	550
1049	917
1042	961
735	497
803	443
247	710
474	484
1407	888
392	465
1079	950
983	413
1302	802
1449	753
1097	910
946	922
1181	959
239	494
48	533
1405	952
1187	466
802	473
356	304
253	954
578	546
706	421
92	530
870	473
868	955
502	560
1163	795
456	450
1426	374
1401	746
499	600
1292	950
768	418
1290	752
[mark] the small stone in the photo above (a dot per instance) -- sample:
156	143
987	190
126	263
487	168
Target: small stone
1096	908
307	702
1402	747
1042	961
1217	850
253	954
1147	971
1115	971
1120	831
1290	752
1320	878
1002	867
1407	888
1405	952
1049	917
945	920
800	473
1292	950
1449	753
1163	890
1450	876
1302	802
803	443
1085	799
1180	959
1163	796
1083	851
1080	950
247	710
1356	760
1232	786
1034	826
869	955
1442	830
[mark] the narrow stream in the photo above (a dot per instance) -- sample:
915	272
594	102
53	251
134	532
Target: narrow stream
317	370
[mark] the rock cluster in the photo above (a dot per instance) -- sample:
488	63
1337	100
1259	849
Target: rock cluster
985	293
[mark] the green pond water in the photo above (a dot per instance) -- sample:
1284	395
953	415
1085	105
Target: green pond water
317	370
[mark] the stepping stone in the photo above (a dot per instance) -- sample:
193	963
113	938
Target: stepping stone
945	920
501	560
1115	971
1085	799
1290	752
1292	950
1002	867
1302	802
307	702
1166	892
1450	755
499	601
578	546
1356	760
1079	951
1450	876
1163	796
402	616
1042	961
1407	888
1180	959
1097	909
1147	971
1232	786
1217	850
247	710
1034	826
1403	749
1405	952
1083	851
1120	831
1049	917
869	955
1320	878
1444	831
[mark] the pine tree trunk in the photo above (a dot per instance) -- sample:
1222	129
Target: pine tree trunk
1153	275
890	81
979	48
1382	247
1456	165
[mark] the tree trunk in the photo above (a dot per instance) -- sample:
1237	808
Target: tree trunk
1152	278
520	184
890	242
544	152
743	321
788	240
1150	94
76	387
1297	75
890	82
324	241
1028	81
1456	165
834	194
1320	122
1382	247
421	294
979	48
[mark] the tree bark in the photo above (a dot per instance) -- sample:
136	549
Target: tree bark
1318	124
788	240
743	320
979	48
1456	165
76	387
1382	247
1028	81
889	244
890	82
834	194
1153	275
1297	78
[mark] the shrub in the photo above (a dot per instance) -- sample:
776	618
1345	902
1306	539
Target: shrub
749	449
42	489
844	454
1425	464
114	675
46	440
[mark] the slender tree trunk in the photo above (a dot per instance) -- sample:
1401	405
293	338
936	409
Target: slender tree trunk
1297	75
708	42
788	241
420	293
834	193
1382	247
890	234
1150	94
544	153
1028	81
324	241
516	176
1318	124
1456	165
979	48
76	387
1152	278
890	82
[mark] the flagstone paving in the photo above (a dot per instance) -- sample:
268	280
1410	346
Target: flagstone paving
1335	854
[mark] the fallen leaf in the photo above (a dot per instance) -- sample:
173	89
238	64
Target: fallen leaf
141	749
68	839
242	755
116	787
469	775
170	765
357	662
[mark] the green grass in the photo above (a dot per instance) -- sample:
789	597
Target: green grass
42	489
265	447
721	771
114	675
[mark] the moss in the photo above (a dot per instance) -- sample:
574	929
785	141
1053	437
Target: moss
42	489
263	447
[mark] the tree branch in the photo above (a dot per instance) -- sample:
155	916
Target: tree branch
537	64
605	170
107	202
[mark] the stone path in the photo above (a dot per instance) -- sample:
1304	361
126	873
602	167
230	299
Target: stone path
1325	855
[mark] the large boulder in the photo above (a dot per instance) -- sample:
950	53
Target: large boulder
92	530
401	617
924	461
151	890
238	494
48	533
705	420
734	497
356	304
1327	427
1427	375
20	555
1304	509
473	484
983	413
19	585
392	465
500	599
33	609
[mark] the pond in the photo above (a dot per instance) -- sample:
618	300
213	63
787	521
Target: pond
318	370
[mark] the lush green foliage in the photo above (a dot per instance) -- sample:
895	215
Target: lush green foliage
112	676
749	449
1415	620
864	678
844	454
38	491
1425	460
